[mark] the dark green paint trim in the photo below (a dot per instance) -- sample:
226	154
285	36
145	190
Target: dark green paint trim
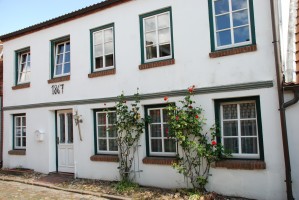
156	12
212	35
174	93
91	31
95	130
13	129
217	104
95	127
251	11
17	53
211	25
56	145
52	51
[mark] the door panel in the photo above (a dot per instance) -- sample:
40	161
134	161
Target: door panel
65	145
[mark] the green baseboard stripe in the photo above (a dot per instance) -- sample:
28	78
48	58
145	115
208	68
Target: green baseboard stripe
204	90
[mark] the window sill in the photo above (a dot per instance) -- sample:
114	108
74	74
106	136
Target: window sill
21	86
104	158
60	79
17	152
233	51
102	73
241	164
159	160
156	64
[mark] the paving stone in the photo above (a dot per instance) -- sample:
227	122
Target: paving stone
20	191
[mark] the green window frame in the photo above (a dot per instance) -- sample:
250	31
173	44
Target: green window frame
156	33
19	131
158	143
231	24
22	66
240	127
60	57
102	48
105	133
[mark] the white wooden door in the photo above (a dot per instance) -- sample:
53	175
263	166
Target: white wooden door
65	145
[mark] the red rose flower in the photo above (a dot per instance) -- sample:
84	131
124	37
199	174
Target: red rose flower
190	107
196	116
177	117
214	143
191	89
165	98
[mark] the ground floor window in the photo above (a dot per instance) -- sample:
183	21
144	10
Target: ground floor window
158	141
240	126
105	132
19	132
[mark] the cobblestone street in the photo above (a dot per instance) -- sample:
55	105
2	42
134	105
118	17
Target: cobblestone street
20	191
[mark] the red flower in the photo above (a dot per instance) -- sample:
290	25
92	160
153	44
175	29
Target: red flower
177	118
191	89
214	143
190	107
196	116
165	98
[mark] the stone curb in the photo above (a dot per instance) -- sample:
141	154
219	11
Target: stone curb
108	196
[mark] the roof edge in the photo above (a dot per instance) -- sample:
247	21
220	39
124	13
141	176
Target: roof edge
62	19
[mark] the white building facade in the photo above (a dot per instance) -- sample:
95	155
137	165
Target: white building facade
76	66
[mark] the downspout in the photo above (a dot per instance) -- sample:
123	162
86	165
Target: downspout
279	79
295	91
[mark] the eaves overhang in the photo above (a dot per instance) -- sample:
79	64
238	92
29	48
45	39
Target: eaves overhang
62	19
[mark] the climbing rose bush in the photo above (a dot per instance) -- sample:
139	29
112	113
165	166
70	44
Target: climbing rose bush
199	149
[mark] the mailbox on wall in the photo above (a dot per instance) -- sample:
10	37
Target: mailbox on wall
39	135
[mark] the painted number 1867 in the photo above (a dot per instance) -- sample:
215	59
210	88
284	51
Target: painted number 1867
57	89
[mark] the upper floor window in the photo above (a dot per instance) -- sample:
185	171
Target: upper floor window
23	68
60	57
19	125
156	36
159	142
240	123
106	133
232	23
102	48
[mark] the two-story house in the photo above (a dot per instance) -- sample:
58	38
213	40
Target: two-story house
78	63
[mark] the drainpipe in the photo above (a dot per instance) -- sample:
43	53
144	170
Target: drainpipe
295	91
280	79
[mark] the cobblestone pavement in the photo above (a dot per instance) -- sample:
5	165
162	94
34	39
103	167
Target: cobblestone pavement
20	191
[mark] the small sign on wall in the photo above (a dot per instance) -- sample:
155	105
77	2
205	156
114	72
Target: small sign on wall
57	89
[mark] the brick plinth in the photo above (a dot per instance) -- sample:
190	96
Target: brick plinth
156	64
21	86
232	51
104	158
20	152
102	73
241	164
60	79
159	161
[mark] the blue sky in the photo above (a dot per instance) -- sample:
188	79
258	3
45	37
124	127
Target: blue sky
19	14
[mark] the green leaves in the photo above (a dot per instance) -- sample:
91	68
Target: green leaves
129	126
186	125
